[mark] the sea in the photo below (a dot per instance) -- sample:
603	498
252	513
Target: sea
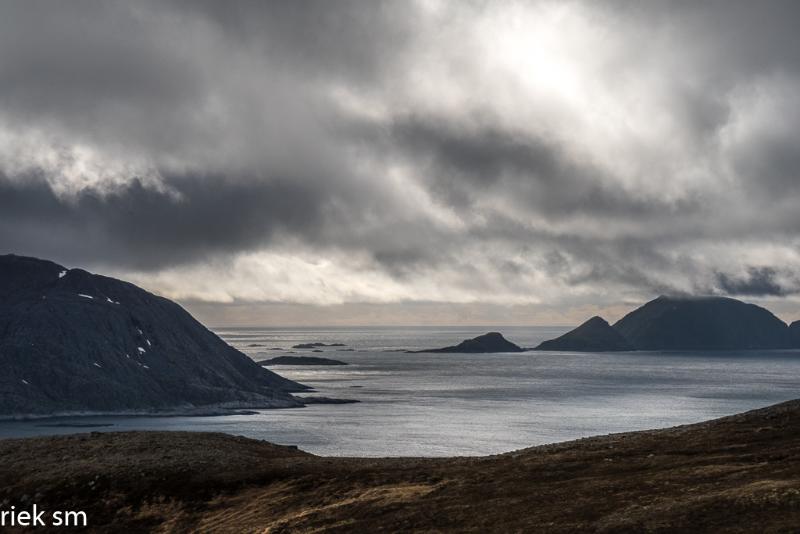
471	404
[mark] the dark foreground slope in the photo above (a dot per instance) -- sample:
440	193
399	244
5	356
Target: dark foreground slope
737	474
72	341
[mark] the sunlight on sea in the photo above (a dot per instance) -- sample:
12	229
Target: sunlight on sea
474	404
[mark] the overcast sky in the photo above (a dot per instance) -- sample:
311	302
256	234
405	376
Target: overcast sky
407	162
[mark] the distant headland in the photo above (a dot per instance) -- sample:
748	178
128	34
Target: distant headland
667	323
683	323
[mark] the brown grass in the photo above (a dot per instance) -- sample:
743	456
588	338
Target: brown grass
738	474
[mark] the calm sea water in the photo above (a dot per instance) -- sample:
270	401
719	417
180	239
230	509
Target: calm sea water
462	404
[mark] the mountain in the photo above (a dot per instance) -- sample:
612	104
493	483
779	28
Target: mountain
683	323
703	323
794	334
595	335
491	342
72	341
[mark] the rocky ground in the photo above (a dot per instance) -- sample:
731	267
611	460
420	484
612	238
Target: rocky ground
737	474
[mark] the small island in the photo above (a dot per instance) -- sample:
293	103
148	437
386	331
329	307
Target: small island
300	360
317	345
491	342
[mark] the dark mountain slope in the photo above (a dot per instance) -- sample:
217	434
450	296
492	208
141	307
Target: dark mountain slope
794	334
71	341
595	335
703	323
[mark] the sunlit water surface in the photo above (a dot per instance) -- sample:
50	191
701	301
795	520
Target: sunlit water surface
473	404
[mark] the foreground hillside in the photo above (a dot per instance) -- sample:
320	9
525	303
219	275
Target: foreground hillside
737	474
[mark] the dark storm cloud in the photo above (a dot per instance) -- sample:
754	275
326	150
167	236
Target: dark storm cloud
349	41
146	229
153	135
741	38
140	78
473	158
90	64
758	282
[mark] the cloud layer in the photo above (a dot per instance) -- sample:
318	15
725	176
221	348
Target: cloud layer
399	152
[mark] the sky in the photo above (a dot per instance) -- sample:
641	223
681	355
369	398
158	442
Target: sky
409	162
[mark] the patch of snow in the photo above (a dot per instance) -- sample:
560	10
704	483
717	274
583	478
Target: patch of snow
85	296
109	300
141	350
146	367
128	356
139	330
148	343
98	365
25	382
62	274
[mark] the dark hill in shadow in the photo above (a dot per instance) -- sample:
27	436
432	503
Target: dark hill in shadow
491	342
683	323
74	342
595	335
703	323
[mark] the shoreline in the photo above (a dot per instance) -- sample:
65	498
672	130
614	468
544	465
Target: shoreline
210	410
576	441
739	472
